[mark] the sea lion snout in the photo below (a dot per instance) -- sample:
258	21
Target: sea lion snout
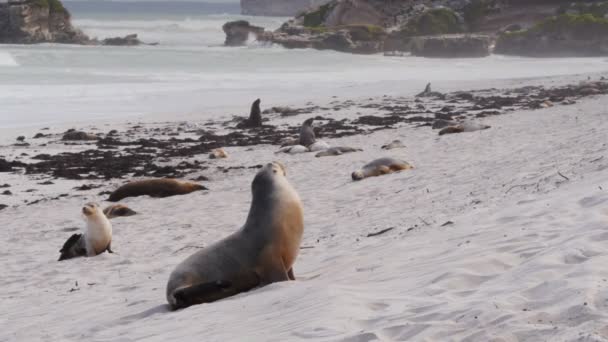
89	209
357	175
276	167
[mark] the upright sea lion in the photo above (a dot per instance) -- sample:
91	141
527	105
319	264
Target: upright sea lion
118	210
164	187
96	239
255	117
336	151
263	251
380	167
307	134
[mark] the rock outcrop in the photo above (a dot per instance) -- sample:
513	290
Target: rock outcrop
128	40
567	35
237	32
285	8
37	21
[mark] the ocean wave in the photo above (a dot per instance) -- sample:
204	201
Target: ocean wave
7	60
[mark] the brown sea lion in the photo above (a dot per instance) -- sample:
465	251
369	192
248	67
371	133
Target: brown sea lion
218	153
164	187
380	167
118	210
263	251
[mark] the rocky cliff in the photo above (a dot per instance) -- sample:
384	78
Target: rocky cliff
285	8
37	21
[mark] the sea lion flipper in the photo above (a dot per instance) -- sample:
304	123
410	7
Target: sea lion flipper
109	248
290	274
215	290
73	247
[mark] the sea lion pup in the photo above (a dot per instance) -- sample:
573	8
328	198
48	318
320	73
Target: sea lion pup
336	151
263	251
164	187
118	210
307	134
393	144
96	239
380	167
218	153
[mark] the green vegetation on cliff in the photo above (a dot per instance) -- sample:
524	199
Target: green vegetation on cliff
597	9
566	26
317	17
433	22
55	6
475	11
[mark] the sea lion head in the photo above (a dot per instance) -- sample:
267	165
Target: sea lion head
309	122
91	209
358	175
118	210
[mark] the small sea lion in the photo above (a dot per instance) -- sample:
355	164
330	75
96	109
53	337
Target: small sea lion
263	251
428	92
218	153
96	239
318	146
393	144
289	142
295	149
307	134
464	127
164	187
380	167
118	210
440	123
336	151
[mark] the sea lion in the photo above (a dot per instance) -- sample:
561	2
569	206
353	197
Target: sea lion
380	167
295	149
118	210
464	127
164	187
336	151
218	153
318	146
307	134
263	251
393	144
96	239
255	117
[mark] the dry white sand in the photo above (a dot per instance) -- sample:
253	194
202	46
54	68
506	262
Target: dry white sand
524	260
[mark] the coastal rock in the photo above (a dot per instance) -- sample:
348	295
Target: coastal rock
451	46
128	40
568	35
283	8
38	21
237	32
73	135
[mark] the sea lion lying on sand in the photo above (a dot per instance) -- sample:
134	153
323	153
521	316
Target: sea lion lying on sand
336	151
164	187
263	251
380	167
118	210
463	127
96	239
393	144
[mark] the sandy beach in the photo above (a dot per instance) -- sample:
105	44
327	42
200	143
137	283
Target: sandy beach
495	235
